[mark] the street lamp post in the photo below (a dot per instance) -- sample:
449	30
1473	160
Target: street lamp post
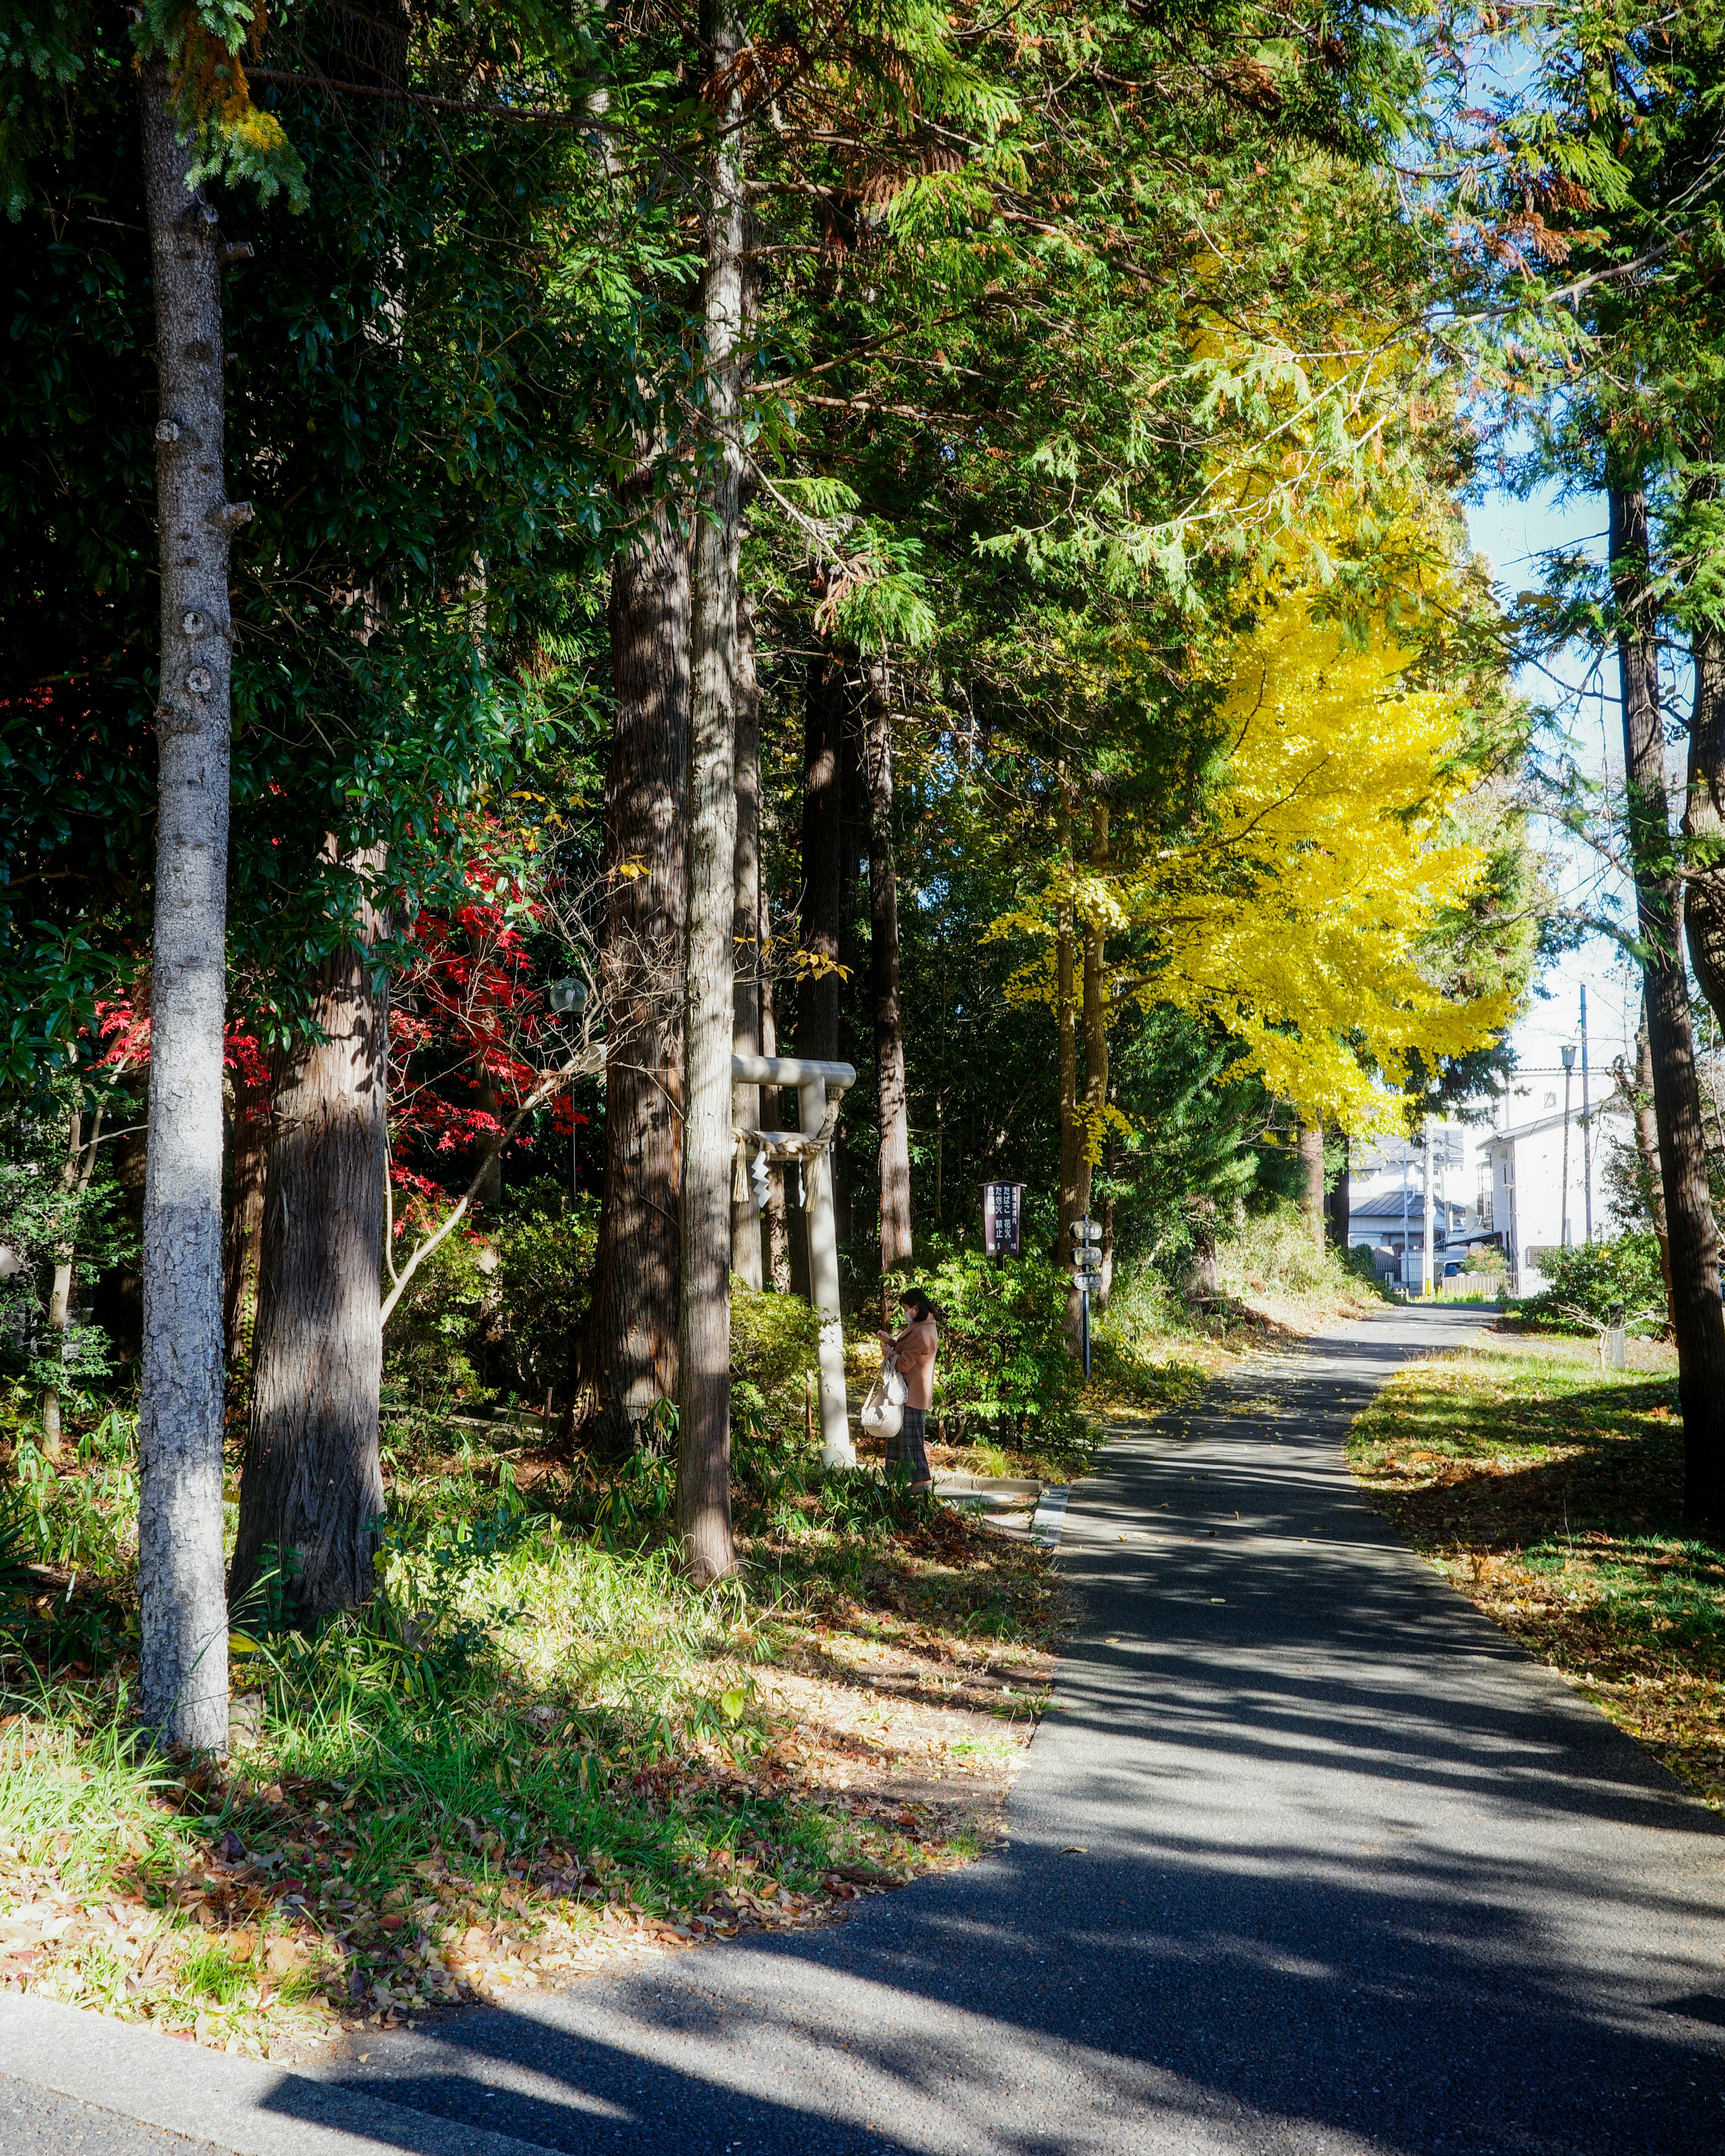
568	999
1569	1056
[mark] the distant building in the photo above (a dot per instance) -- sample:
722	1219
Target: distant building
1386	1212
1521	1196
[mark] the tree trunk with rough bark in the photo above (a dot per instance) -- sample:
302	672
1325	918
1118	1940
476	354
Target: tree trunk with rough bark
1095	1017
1647	1147
1311	1179
1074	1185
312	1488
890	1085
183	1609
822	850
629	1352
704	1330
746	944
248	1159
1341	1205
76	1172
1704	819
1698	1323
778	1234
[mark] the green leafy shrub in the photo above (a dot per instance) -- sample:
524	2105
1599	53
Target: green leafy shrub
1590	1280
429	1343
541	1292
1273	1252
1003	1353
494	1310
775	1343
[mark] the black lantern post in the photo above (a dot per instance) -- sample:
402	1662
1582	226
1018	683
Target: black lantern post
568	999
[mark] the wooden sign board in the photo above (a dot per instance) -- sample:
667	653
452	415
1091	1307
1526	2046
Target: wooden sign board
1003	1211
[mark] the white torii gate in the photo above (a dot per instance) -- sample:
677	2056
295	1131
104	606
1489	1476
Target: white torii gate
820	1086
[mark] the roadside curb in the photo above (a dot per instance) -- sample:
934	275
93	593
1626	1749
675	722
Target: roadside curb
242	2105
1048	1522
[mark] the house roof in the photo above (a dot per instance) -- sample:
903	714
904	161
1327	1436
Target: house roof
1494	1140
1387	1206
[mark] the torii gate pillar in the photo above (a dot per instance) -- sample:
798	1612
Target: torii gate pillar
814	1081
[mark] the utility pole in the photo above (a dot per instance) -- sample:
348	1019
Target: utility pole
1587	1130
1426	1284
1404	1216
1567	1053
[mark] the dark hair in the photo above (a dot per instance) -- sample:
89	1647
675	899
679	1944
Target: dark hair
918	1303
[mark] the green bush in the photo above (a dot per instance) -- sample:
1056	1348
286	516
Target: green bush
1589	1279
429	1343
1273	1252
1003	1365
541	1292
495	1309
775	1343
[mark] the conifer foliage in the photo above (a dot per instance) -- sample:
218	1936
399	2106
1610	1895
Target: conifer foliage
902	536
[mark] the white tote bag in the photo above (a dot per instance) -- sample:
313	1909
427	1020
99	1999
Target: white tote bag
883	1412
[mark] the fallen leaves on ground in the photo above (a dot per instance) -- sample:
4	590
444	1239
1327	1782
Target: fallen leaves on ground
1550	1493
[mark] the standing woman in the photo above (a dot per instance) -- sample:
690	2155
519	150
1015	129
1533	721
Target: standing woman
911	1351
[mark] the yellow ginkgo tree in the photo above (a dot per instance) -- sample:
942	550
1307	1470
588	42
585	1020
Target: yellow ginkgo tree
1297	913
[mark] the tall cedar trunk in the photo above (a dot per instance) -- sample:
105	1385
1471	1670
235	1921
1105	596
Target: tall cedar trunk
1088	1121
883	977
183	1610
313	1485
1095	1015
1099	1298
1697	1321
1341	1205
629	1355
819	922
1312	1179
59	1293
1704	819
704	1332
778	1238
853	845
745	945
249	1158
1647	1146
823	846
1072	1202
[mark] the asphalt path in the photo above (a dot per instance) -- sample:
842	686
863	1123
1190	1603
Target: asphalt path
35	2122
1310	1858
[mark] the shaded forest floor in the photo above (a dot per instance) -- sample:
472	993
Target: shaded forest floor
1549	1491
541	1751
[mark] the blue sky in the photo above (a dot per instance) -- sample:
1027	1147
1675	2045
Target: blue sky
1514	535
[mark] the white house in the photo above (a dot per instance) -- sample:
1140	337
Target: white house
1527	1206
1386	1204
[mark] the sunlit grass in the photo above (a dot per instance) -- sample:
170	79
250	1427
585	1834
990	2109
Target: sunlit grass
1549	1491
534	1747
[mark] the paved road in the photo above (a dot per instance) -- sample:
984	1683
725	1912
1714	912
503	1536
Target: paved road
1312	1859
35	2122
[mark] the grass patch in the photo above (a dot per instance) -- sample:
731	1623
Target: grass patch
1549	1491
540	1749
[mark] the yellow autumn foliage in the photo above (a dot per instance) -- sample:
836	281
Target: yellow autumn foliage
1332	861
1293	918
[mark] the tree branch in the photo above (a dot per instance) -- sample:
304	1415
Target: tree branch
589	1061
